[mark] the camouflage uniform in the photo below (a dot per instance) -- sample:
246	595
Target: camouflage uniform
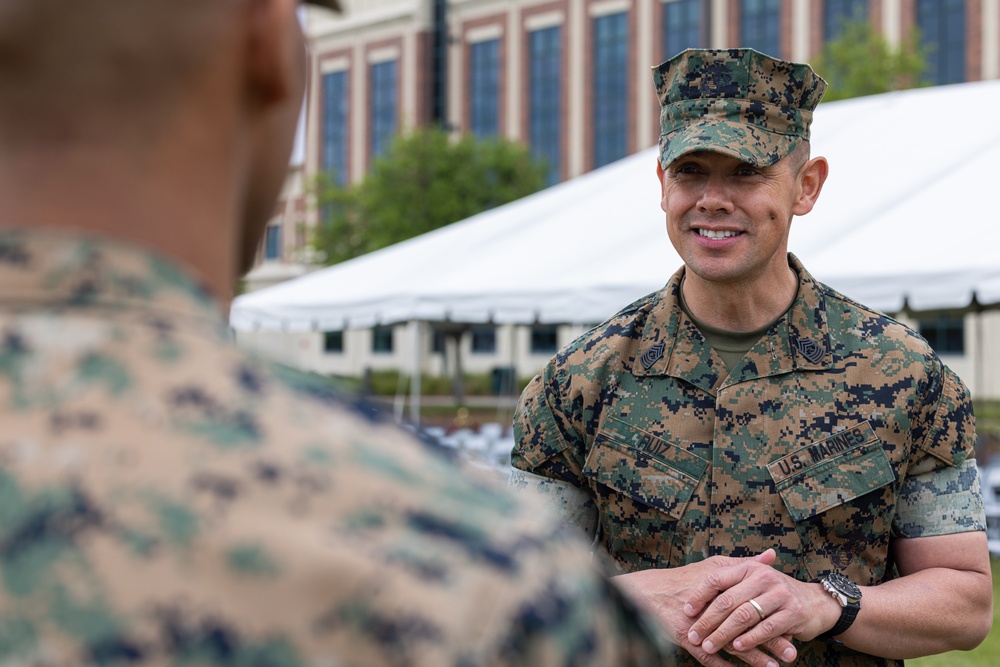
840	430
165	500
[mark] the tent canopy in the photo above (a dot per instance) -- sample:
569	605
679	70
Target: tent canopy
905	218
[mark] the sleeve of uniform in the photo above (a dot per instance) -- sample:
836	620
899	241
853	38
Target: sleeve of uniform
547	438
941	493
545	457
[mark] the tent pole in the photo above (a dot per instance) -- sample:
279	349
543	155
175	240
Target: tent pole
415	376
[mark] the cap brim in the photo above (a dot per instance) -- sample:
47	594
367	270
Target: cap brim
747	143
329	4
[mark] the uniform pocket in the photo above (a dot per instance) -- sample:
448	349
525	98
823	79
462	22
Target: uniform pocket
830	472
645	468
839	492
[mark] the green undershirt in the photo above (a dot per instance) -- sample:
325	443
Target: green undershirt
732	346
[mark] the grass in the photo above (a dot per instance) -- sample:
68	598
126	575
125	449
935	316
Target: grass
987	415
986	654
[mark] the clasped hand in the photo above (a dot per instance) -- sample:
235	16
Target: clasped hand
705	608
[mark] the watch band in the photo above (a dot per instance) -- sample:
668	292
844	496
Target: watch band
848	595
848	613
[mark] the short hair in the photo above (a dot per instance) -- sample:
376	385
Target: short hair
65	65
799	156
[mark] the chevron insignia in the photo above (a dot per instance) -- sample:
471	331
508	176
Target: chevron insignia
809	349
652	355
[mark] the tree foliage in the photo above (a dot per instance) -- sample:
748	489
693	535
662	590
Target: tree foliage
862	62
425	181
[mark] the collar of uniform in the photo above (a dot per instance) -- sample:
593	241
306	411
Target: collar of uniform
798	341
672	344
64	269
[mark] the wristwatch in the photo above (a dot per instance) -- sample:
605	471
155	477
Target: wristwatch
848	595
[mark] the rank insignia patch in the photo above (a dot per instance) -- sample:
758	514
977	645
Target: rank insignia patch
809	349
652	355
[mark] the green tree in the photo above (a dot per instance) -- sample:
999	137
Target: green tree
425	181
862	62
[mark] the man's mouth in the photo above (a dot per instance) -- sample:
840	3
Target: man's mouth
717	234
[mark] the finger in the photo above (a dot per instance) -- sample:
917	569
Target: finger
755	657
716	583
782	648
763	636
736	620
728	616
767	557
706	659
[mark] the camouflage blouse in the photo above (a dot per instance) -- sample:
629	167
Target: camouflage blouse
839	431
166	500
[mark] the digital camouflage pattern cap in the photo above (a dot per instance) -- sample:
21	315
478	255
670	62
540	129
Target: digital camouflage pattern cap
738	102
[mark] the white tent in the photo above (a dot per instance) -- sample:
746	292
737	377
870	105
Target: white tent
907	216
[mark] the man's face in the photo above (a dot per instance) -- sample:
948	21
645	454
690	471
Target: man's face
729	220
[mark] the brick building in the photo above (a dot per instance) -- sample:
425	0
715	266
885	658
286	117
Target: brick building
569	78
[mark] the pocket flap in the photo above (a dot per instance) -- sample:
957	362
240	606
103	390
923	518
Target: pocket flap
830	472
645	468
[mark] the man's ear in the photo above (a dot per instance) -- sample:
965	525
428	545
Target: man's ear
274	50
811	177
663	191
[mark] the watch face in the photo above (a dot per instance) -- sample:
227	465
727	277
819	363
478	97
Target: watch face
844	585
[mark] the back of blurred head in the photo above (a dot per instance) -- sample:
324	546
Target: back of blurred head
161	120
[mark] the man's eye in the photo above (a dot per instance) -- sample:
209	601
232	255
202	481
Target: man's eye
746	171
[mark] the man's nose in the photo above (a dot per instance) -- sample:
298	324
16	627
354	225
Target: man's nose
715	196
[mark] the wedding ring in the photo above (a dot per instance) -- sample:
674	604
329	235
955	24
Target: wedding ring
756	606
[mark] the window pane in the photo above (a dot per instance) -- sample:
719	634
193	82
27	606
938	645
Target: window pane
544	339
610	96
942	32
383	105
945	334
681	27
272	242
836	12
484	88
333	159
382	340
484	340
545	97
759	23
333	342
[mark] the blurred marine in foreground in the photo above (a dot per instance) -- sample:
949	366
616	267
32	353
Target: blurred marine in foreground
165	500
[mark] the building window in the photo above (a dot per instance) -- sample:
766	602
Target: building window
838	12
272	243
333	342
942	33
759	23
437	342
545	97
945	334
333	159
382	340
682	21
610	49
484	340
544	339
383	106
484	88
